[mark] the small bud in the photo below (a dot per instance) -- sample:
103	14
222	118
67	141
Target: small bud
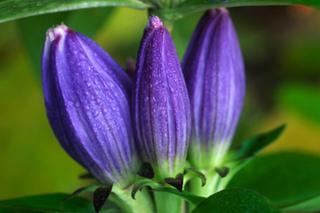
214	73
87	100
161	109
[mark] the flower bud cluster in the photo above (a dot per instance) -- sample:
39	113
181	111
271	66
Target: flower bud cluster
110	124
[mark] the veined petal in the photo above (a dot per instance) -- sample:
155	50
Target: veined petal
214	72
87	100
161	109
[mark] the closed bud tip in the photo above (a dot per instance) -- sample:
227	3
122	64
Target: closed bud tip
214	73
160	103
87	101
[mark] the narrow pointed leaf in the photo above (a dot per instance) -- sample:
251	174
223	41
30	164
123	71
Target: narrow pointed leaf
236	201
187	196
14	9
80	191
255	144
46	203
176	182
100	196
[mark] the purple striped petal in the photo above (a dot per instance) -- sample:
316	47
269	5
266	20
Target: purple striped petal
161	109
87	100
214	73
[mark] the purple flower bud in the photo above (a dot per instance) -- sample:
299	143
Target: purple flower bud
161	108
87	100
214	73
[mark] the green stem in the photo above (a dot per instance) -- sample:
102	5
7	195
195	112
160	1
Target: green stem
168	24
142	203
211	186
166	202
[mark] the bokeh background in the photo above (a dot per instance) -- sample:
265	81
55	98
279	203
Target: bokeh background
281	49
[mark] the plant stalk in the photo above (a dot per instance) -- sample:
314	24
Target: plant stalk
141	204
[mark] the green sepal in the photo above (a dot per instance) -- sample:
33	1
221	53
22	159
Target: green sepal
140	184
176	182
187	196
222	171
100	196
236	200
190	173
146	171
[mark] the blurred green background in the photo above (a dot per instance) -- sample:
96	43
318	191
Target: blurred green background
281	49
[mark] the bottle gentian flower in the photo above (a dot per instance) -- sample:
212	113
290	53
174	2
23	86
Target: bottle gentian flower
87	100
214	73
160	103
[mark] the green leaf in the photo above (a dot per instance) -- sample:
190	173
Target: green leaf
187	196
285	178
87	22
190	6
255	144
310	205
46	203
236	200
14	9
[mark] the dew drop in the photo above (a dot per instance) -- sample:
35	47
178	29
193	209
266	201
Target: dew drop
95	113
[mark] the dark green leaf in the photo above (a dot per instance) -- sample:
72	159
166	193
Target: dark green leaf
187	196
255	144
310	205
176	182
236	201
46	203
100	196
231	3
87	22
190	6
14	9
285	178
